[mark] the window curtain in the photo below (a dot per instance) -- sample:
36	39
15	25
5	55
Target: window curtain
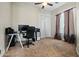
71	26
71	22
57	34
69	32
66	25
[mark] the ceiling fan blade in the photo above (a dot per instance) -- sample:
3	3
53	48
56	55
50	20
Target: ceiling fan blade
56	2
50	4
42	7
38	3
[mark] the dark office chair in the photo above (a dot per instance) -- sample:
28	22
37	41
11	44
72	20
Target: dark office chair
22	30
9	30
30	35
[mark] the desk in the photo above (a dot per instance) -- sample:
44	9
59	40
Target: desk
12	35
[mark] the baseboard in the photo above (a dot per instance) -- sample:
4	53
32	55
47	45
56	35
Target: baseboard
47	38
77	51
2	54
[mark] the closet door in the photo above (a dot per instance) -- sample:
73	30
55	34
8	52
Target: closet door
45	25
48	25
42	26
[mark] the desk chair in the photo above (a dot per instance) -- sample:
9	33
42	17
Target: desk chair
9	30
30	35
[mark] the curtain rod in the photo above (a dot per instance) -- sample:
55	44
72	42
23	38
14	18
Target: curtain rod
66	10
70	9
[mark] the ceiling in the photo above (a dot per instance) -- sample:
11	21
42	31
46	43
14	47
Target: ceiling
47	7
50	8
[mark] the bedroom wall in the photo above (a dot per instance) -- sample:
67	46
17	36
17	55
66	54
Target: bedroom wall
56	11
24	13
5	21
77	20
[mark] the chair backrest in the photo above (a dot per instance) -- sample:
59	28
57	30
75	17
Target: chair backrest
30	32
22	28
9	30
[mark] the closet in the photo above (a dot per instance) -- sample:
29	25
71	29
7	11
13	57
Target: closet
45	25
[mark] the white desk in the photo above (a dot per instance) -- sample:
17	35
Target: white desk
12	35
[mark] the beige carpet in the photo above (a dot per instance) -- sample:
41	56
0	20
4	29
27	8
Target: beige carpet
43	48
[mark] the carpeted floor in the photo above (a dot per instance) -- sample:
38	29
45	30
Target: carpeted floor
43	48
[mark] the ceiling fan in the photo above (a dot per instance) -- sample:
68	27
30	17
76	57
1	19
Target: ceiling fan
44	4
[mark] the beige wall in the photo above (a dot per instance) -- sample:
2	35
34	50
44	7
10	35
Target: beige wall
12	14
5	18
24	13
57	11
77	14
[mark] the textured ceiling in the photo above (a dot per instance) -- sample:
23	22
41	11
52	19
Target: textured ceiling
50	8
47	7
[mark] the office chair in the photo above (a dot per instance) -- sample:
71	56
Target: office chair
9	30
30	35
23	29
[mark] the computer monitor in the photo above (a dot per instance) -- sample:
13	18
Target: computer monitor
22	27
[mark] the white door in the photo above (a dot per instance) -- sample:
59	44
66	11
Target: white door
42	26
45	25
48	26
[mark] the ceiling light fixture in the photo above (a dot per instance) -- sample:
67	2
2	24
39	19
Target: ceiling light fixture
44	3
